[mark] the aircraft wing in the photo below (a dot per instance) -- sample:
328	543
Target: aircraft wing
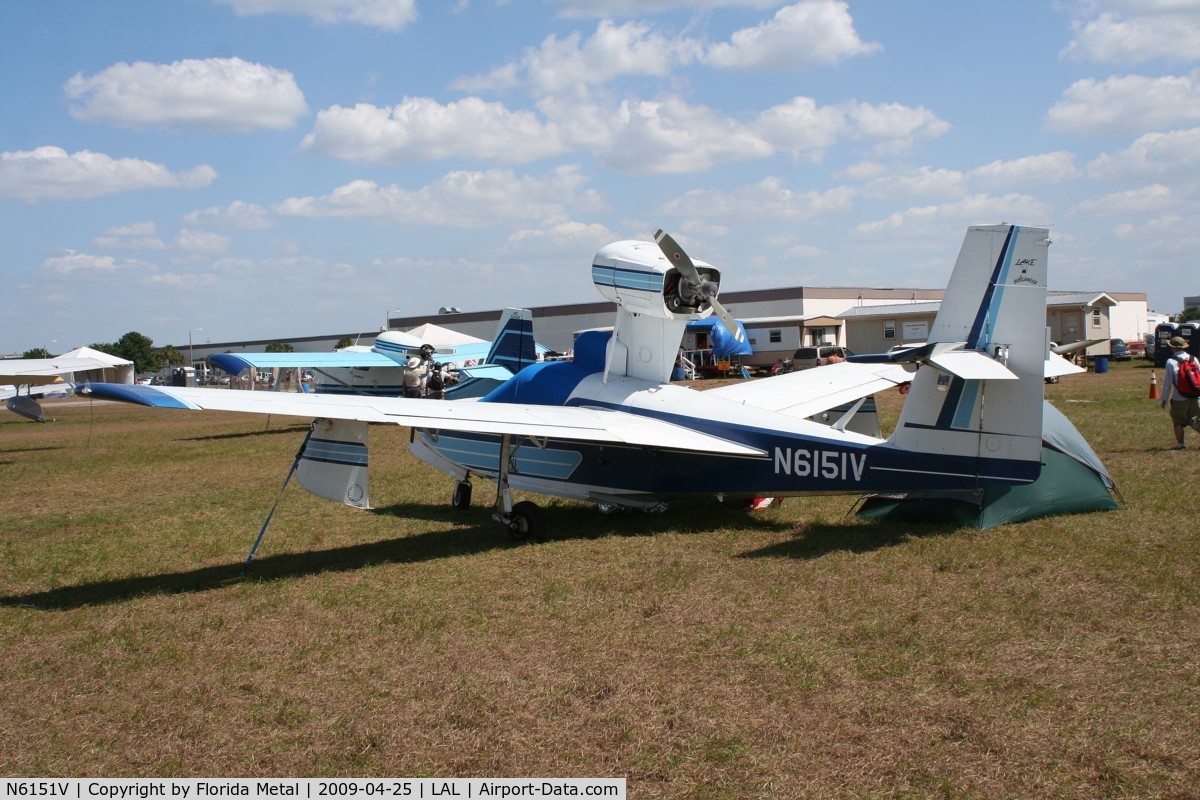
811	391
1073	347
580	424
234	363
36	371
493	371
59	386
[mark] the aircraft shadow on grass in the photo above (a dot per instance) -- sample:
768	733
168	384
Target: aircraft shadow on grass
816	541
264	432
476	536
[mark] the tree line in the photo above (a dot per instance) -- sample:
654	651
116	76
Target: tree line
140	349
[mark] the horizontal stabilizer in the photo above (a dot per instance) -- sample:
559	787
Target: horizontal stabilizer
812	391
1057	366
972	365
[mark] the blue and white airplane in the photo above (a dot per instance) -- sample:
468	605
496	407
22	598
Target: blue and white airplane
609	428
378	370
39	376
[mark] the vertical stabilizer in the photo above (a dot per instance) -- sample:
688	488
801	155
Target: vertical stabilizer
513	347
979	392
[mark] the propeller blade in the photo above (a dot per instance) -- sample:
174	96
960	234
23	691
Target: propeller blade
727	320
676	256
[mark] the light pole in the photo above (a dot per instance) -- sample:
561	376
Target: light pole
191	356
46	346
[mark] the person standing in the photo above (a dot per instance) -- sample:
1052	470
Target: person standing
1185	411
414	377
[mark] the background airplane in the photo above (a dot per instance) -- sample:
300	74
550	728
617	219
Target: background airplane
38	376
378	370
607	427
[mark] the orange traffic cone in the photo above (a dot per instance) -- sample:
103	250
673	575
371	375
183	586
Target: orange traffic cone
1153	386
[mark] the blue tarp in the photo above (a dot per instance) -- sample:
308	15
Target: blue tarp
722	341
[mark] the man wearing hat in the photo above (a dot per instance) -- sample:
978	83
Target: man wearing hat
414	375
1184	410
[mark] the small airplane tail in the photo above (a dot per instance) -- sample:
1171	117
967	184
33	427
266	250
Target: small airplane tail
513	347
976	397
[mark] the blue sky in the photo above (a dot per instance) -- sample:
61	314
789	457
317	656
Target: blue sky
276	168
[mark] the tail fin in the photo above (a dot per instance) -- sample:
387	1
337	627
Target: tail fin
979	392
513	346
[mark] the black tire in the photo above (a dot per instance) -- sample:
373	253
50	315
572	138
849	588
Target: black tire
461	498
528	522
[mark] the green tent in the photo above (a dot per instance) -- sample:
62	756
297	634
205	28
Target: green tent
1072	481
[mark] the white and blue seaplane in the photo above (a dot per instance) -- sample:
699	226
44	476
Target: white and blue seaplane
378	370
607	427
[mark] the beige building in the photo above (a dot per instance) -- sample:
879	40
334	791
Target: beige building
1070	316
777	321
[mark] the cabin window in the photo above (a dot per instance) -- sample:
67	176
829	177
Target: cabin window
889	329
775	337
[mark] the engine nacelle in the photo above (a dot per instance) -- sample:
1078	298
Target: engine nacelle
639	278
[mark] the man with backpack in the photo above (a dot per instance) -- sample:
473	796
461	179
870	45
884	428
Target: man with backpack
1182	383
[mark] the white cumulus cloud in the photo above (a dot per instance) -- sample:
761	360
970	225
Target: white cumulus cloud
1132	31
138	236
203	242
50	173
1165	157
806	34
973	209
217	94
1045	168
74	264
569	62
238	215
421	129
805	129
460	199
1127	104
608	8
663	136
388	15
768	199
1144	199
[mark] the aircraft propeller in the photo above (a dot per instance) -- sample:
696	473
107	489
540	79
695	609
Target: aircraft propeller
706	290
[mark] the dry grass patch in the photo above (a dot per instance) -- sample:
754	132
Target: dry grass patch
704	653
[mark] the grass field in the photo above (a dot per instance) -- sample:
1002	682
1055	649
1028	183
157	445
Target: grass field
704	653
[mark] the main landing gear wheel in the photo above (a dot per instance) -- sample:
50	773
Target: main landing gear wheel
526	521
462	495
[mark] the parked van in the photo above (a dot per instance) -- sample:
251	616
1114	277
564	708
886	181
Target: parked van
819	356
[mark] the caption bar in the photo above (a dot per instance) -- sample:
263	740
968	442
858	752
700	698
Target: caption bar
209	788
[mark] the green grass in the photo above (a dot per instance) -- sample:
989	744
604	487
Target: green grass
703	653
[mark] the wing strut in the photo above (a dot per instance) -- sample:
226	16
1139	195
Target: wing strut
291	472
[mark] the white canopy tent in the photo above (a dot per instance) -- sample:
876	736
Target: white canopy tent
119	370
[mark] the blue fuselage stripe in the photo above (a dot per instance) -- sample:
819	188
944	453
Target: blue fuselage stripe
623	278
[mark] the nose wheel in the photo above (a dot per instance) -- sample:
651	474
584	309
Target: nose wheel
461	498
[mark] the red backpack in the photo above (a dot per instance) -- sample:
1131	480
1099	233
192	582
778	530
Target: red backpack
1187	377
